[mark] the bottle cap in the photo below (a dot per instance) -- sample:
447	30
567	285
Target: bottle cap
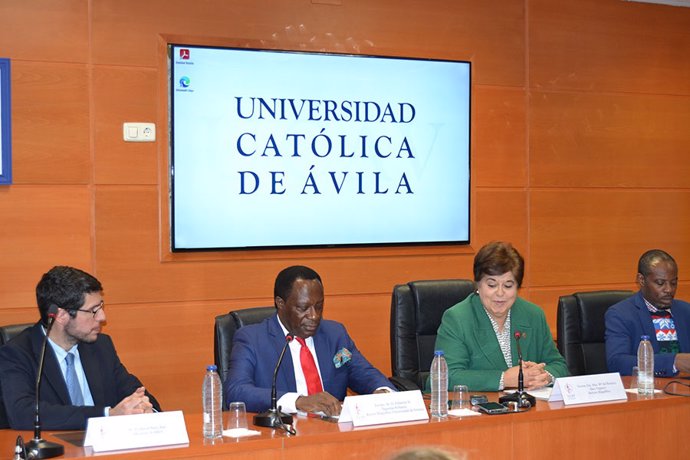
645	337
211	367
438	353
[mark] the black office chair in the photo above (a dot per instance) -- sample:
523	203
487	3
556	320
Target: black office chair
416	311
7	333
581	329
225	328
10	331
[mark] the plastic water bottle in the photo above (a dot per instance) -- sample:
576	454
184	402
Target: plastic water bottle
645	366
439	385
212	394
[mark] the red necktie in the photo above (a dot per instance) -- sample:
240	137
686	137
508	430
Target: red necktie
311	373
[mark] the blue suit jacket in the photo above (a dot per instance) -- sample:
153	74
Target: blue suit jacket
108	379
630	319
255	352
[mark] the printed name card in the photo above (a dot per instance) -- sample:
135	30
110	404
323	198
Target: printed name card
588	389
375	409
136	431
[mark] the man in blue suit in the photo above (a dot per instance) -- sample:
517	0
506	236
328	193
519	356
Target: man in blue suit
82	375
653	311
309	385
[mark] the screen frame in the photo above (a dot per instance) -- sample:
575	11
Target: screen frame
5	123
171	45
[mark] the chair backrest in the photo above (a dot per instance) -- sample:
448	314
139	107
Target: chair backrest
10	331
7	333
225	328
416	311
581	329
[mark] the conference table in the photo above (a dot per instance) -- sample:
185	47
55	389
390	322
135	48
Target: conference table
640	427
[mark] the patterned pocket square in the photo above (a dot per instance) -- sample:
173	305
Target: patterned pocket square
342	357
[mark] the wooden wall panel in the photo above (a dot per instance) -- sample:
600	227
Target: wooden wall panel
42	226
609	45
366	318
50	123
595	237
125	95
491	34
499	157
45	30
166	345
501	215
609	140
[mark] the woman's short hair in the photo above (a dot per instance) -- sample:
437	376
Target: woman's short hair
497	258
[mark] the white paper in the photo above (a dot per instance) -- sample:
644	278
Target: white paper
240	432
378	408
463	413
136	431
588	388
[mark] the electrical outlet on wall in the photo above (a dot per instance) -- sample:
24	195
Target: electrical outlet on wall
139	132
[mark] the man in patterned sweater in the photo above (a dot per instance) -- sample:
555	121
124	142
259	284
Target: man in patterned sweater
653	311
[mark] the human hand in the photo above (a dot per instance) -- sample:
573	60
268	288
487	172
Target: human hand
319	402
682	362
383	390
136	403
533	376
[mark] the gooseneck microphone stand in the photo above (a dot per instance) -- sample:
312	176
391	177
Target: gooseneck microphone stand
39	447
274	418
523	399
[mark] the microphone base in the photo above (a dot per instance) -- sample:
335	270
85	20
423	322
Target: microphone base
44	449
522	398
272	418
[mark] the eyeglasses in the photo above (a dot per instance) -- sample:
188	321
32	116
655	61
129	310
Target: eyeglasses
93	311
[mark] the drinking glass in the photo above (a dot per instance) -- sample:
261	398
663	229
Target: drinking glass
461	397
237	416
633	379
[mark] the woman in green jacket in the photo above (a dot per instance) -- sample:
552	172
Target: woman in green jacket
478	335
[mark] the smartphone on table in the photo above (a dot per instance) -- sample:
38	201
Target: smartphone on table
493	408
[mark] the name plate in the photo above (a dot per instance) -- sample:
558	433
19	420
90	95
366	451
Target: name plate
136	431
588	389
378	408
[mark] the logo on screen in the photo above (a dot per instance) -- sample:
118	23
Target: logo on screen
185	82
184	54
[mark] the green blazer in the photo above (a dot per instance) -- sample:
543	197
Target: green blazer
471	347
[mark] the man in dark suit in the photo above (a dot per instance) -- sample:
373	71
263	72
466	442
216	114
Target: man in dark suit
654	312
82	375
303	384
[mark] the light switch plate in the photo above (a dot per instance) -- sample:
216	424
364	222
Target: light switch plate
139	132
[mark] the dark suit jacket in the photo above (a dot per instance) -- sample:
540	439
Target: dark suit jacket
108	379
630	319
255	352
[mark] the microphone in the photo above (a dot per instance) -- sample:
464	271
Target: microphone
274	418
38	447
521	397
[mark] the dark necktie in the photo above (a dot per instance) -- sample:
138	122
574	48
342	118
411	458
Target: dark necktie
311	373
